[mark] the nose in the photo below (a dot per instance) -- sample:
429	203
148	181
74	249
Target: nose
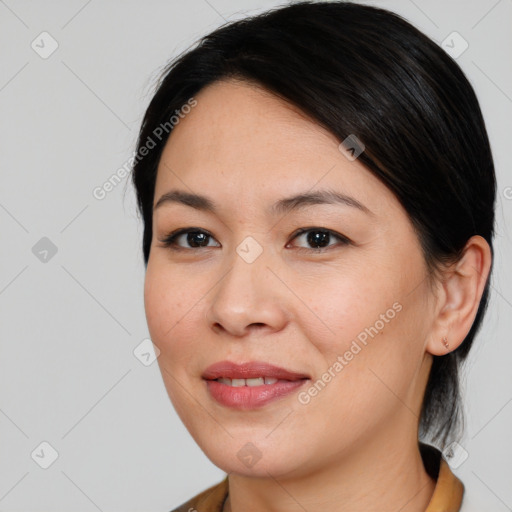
248	298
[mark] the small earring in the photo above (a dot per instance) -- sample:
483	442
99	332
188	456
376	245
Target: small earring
445	342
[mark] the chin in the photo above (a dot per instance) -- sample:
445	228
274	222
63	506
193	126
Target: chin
254	458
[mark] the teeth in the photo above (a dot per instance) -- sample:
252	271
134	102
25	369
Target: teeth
255	382
259	381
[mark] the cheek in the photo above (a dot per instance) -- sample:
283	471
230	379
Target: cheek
355	305
367	334
170	304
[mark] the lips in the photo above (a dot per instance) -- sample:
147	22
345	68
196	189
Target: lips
250	370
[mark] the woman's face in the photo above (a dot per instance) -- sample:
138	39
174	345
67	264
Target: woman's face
352	313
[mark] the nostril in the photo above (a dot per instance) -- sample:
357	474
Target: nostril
217	327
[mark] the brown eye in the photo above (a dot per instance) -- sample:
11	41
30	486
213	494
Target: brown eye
320	238
194	237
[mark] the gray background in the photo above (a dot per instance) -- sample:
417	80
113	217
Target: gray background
69	324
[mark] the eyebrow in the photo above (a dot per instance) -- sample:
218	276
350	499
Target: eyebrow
284	205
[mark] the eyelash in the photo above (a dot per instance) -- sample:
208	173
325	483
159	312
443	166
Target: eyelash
170	240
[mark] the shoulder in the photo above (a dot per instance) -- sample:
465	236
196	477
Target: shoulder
209	500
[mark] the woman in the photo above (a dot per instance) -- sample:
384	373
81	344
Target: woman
318	245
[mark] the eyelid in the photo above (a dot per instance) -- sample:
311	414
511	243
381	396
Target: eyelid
169	239
342	238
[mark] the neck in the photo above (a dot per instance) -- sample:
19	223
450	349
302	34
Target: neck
375	476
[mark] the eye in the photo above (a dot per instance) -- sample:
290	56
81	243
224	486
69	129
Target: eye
319	238
196	237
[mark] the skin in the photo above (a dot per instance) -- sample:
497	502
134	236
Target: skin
354	446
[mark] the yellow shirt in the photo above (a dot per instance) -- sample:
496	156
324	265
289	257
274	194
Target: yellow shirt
447	495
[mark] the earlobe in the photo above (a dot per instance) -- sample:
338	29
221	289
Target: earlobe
462	286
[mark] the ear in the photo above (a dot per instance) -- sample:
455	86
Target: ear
458	298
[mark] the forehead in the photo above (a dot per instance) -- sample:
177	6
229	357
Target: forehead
234	119
241	141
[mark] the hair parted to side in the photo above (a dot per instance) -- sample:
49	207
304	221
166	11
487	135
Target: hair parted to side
361	70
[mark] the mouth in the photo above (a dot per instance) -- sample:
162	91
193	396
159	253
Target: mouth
256	381
250	385
253	373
